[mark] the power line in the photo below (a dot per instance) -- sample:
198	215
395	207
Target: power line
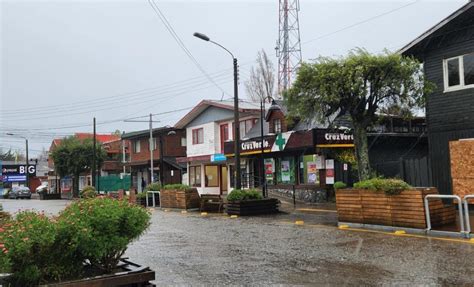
360	22
180	43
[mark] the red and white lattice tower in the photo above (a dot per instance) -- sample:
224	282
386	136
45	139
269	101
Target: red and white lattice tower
288	49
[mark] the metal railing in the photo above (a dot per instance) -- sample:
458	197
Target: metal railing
427	209
466	211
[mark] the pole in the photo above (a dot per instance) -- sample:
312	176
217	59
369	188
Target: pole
263	181
123	156
93	171
151	149
238	184
162	171
27	165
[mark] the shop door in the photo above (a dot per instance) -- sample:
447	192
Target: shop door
223	179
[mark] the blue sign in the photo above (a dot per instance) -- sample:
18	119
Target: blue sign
14	178
218	157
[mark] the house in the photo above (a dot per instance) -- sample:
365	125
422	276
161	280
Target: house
209	125
447	53
168	144
112	163
308	157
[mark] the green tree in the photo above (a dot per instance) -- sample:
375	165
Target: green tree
7	156
73	157
359	85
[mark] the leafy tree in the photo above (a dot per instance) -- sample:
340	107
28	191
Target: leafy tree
358	85
262	79
7	156
73	157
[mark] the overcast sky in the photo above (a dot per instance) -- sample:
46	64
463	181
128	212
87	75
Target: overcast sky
64	62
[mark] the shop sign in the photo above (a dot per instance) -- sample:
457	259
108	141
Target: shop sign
18	169
218	157
334	138
254	145
280	141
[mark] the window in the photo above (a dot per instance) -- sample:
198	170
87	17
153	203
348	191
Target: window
459	73
277	126
198	136
212	175
136	146
183	141
245	127
195	176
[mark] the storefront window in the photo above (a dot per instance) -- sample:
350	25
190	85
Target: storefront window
195	176
285	170
309	174
212	175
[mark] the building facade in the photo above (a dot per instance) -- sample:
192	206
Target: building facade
447	53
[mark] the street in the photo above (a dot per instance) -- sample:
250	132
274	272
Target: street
190	249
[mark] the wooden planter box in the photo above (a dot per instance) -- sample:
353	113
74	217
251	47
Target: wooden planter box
128	275
48	196
404	210
253	207
183	199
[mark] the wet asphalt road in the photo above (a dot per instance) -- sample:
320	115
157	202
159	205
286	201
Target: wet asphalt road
188	249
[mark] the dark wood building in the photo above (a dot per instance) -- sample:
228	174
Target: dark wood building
447	53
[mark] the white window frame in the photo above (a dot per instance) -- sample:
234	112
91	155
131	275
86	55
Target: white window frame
136	146
461	85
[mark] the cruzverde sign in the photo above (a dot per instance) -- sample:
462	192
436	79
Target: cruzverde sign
280	141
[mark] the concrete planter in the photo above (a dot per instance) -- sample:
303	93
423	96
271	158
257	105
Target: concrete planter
404	210
253	207
183	199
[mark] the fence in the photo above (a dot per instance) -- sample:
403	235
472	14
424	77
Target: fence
114	182
415	171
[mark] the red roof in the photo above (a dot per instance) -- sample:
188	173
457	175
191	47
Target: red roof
99	137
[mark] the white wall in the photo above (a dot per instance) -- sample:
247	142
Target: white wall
208	146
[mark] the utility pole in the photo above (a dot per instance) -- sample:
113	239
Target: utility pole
27	165
262	160
93	168
151	149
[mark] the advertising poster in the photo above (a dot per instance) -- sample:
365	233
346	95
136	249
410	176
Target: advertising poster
329	171
269	169
312	172
320	162
285	170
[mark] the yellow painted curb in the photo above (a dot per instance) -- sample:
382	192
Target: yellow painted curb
471	240
203	213
234	216
400	232
184	211
166	210
299	222
343	226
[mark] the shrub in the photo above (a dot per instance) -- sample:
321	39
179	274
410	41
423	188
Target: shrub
239	195
391	186
176	187
111	224
153	187
35	250
141	195
339	185
88	192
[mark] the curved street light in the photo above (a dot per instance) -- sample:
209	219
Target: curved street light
238	184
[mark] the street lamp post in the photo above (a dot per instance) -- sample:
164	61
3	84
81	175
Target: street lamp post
27	161
238	184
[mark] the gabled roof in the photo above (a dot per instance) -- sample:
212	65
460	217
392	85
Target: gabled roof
99	137
146	133
225	104
408	49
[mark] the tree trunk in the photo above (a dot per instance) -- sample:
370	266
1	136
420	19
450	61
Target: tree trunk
75	186
362	151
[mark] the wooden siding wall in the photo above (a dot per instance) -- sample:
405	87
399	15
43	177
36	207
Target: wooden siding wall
450	116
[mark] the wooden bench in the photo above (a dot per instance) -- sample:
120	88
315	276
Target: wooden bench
211	202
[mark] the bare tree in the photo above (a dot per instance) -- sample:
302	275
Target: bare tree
262	79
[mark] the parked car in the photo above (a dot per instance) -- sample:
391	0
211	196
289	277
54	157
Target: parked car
42	188
19	192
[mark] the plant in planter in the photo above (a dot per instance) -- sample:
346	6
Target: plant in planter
88	192
250	202
179	196
391	202
141	198
339	185
87	238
